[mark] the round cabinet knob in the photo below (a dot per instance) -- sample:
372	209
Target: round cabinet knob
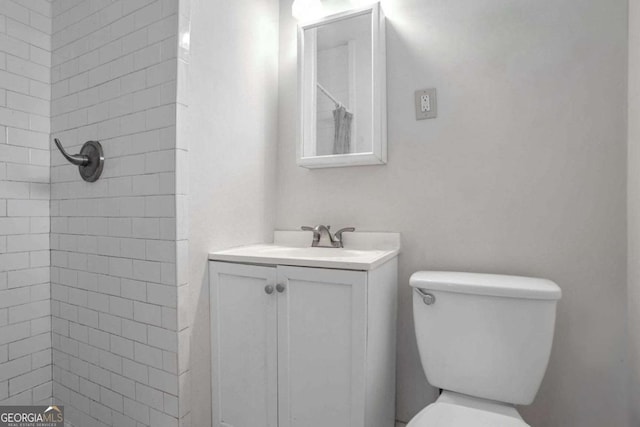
268	289
429	299
280	287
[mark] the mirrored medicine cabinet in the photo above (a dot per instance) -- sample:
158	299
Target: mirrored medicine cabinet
342	90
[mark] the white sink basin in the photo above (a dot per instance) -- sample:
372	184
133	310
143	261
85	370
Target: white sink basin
284	252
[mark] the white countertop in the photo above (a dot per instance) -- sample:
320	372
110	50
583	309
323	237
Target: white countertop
362	251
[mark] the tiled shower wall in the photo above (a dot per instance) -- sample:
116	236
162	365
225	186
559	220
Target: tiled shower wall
114	292
25	321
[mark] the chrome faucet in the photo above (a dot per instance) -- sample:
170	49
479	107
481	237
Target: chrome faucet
335	240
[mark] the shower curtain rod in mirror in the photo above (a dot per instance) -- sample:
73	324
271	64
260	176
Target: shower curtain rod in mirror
331	97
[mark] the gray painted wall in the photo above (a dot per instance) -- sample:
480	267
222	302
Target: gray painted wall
634	210
230	129
520	174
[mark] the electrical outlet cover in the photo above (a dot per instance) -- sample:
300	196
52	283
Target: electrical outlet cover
431	104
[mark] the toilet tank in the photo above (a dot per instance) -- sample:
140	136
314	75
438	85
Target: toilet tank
484	335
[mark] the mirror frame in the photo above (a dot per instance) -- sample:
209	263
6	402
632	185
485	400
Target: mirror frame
378	155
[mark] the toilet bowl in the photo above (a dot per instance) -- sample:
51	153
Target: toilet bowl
485	340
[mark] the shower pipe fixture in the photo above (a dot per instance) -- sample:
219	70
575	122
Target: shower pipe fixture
90	160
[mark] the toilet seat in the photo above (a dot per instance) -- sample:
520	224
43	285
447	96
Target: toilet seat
456	410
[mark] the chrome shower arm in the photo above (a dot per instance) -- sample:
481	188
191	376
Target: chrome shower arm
90	161
76	159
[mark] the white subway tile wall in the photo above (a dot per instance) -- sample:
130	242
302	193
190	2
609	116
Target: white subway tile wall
25	313
185	307
113	242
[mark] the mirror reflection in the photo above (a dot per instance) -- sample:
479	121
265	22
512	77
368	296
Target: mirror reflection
342	86
342	90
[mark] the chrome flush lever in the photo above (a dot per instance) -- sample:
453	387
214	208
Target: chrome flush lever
90	161
427	298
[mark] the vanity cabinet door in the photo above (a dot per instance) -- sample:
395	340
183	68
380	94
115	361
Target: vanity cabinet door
321	347
244	345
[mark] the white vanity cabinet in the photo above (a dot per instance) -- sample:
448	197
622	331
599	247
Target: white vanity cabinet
296	346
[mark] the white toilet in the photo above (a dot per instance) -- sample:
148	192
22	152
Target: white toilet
485	340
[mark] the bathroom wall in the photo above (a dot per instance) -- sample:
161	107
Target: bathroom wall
114	293
633	220
523	172
25	321
230	84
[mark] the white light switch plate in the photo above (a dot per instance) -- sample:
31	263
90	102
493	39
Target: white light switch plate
426	104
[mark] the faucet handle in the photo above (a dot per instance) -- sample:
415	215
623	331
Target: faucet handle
316	234
343	230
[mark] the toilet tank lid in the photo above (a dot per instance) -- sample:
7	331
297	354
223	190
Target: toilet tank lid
486	284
